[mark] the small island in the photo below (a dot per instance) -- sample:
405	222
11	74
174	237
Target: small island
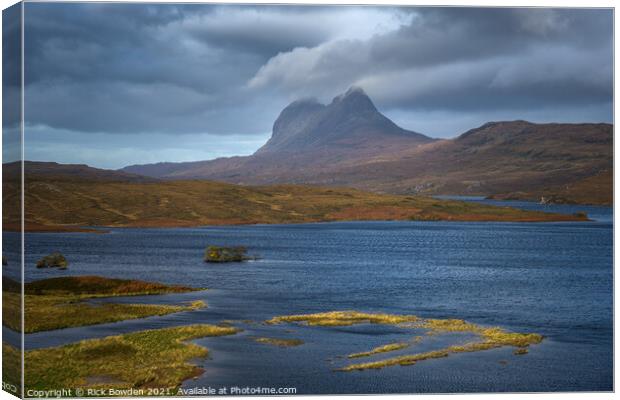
488	338
218	254
54	260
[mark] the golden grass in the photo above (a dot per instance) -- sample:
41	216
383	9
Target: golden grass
154	358
280	342
498	338
489	337
63	302
381	349
402	360
344	318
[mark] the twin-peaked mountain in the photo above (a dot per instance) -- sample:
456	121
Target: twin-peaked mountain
350	143
350	124
307	137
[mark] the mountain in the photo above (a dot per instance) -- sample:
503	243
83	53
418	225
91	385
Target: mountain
307	136
350	123
350	143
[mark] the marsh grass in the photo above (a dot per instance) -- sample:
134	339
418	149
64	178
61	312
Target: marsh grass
153	358
402	360
344	318
381	349
63	302
279	341
488	337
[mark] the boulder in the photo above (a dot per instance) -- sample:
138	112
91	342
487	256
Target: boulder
218	254
54	260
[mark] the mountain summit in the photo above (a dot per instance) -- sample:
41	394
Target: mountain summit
350	120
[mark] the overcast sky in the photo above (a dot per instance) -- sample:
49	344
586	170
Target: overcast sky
116	84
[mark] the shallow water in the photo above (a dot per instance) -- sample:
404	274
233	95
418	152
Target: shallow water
550	278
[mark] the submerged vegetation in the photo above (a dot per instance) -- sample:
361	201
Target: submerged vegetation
488	337
154	358
68	302
279	341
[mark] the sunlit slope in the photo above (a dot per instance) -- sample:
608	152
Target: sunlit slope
76	203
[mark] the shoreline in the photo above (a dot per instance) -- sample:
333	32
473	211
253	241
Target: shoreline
106	229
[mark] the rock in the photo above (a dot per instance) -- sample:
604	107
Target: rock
217	254
54	260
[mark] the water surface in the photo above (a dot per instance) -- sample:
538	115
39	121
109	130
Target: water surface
550	278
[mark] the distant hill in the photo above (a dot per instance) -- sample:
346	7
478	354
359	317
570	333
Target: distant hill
53	171
350	143
518	159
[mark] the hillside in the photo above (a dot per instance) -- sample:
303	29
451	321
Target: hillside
71	204
350	143
67	172
517	159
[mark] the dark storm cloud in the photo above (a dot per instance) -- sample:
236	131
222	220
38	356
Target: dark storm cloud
171	69
160	68
465	59
11	67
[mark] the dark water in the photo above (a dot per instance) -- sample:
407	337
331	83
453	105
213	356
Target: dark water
550	278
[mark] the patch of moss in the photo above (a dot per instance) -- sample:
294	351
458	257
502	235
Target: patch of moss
280	342
153	358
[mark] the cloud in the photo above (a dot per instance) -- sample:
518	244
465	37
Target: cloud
170	70
173	69
462	59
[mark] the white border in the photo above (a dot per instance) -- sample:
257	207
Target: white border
478	3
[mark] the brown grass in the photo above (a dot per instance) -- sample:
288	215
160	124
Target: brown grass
78	204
